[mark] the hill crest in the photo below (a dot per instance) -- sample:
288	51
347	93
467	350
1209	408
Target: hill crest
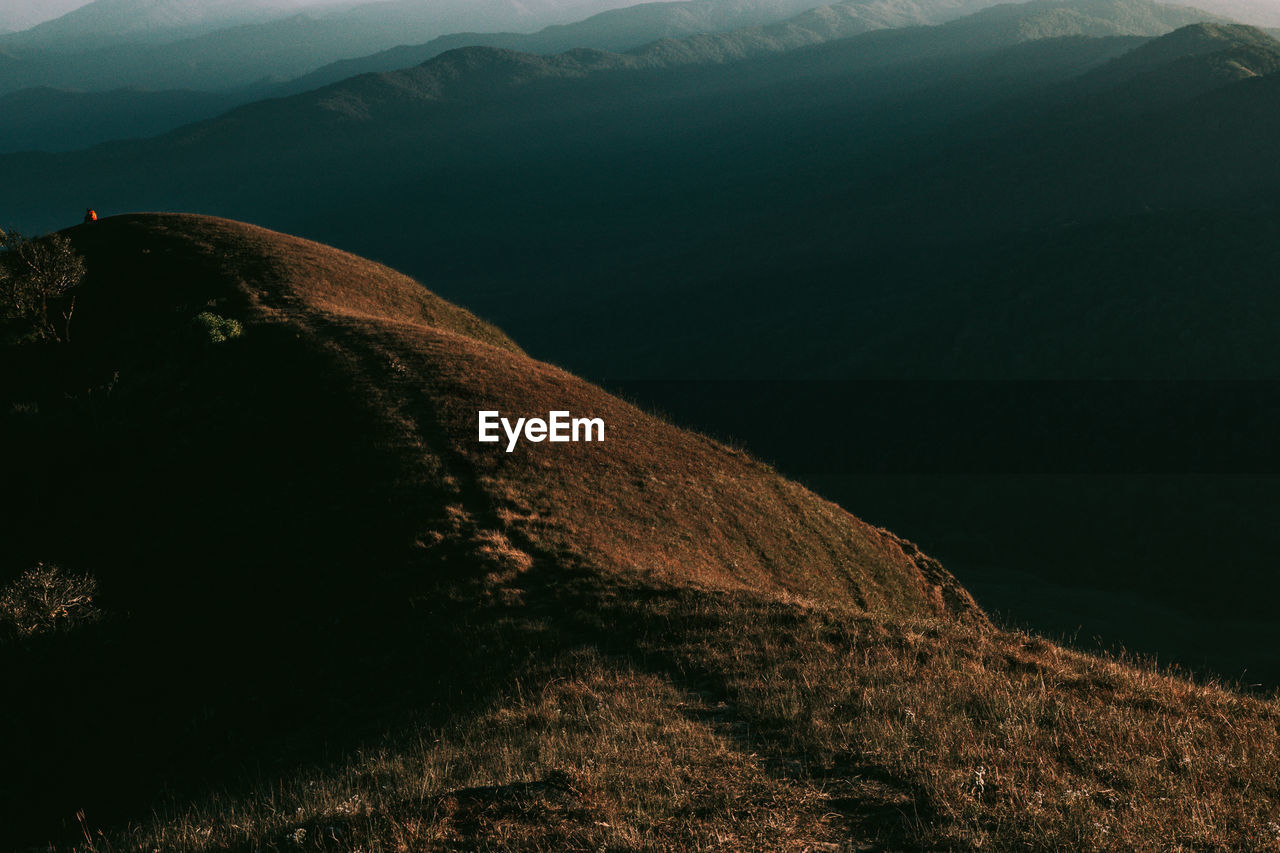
653	501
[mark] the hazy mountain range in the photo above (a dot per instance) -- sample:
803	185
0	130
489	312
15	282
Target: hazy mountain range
39	124
74	54
633	26
1045	41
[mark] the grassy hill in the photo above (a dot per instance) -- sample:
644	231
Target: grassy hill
328	618
268	450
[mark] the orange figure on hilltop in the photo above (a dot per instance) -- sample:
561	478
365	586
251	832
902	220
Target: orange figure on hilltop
90	215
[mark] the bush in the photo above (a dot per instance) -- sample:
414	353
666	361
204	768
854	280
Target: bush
46	599
218	329
37	283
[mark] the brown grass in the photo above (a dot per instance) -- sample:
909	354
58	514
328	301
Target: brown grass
693	720
651	499
672	648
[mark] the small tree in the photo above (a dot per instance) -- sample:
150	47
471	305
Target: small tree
47	598
36	275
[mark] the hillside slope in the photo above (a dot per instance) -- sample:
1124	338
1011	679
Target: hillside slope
331	619
313	476
656	501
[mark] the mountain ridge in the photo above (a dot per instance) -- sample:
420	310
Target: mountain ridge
287	280
447	75
681	20
257	55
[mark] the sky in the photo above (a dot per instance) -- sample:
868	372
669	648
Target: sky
21	14
1261	12
24	14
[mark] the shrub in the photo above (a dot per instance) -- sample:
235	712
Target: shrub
47	598
37	283
218	329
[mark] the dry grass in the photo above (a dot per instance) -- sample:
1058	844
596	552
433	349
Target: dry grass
1003	740
643	661
652	498
685	720
584	755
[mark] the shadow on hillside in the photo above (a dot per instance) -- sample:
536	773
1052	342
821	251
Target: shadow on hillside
263	547
269	602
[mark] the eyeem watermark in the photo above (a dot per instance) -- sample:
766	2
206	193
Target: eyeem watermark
557	428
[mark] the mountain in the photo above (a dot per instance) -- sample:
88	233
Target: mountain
617	30
1048	19
490	118
105	116
327	614
37	128
365	625
69	53
1249	51
377	110
308	478
246	56
555	137
1192	61
1117	135
625	29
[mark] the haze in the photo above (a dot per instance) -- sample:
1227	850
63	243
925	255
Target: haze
17	15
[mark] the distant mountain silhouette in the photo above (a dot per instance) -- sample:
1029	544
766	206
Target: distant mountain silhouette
117	115
37	129
242	60
68	54
1187	62
733	68
624	29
